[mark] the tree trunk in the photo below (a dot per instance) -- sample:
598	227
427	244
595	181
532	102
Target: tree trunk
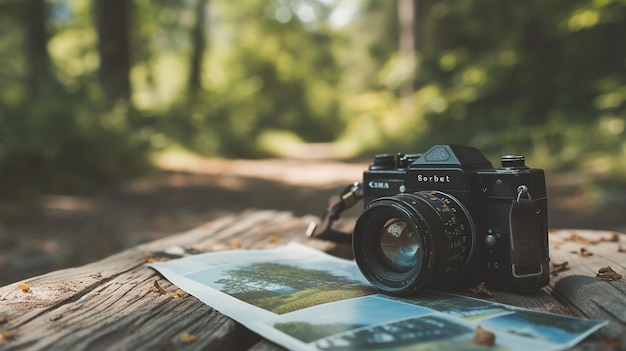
198	42
113	26
407	40
38	60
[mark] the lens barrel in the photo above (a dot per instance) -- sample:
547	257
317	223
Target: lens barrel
405	241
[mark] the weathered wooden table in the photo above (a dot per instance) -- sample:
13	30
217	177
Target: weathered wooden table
114	303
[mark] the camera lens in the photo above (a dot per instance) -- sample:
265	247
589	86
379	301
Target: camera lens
399	245
406	241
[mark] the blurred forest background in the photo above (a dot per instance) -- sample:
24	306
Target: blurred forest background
93	92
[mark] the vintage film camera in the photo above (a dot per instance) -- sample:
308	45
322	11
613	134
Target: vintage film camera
447	217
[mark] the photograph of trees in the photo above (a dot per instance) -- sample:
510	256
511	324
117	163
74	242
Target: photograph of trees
282	288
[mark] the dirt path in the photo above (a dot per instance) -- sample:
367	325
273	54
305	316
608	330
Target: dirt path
69	231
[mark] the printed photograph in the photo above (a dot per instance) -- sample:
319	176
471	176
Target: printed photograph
344	316
422	333
283	287
458	306
541	326
324	303
431	332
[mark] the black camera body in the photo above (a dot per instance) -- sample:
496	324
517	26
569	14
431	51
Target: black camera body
448	216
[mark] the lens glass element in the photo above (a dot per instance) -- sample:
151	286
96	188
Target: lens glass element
406	241
400	245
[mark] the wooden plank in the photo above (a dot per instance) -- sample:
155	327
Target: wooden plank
580	289
110	304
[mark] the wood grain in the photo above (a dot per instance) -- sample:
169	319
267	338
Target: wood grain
114	303
579	288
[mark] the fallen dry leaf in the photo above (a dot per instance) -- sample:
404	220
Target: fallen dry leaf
157	288
585	253
481	290
607	273
192	251
187	338
577	238
274	239
3	320
621	249
613	237
7	335
178	294
96	276
558	267
556	243
483	337
150	258
235	244
559	309
24	287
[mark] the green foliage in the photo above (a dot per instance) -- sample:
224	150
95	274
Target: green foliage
541	77
544	78
62	145
59	136
279	76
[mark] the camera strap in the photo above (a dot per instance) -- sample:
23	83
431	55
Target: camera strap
336	205
525	230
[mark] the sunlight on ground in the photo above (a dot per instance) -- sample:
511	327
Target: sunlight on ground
288	145
311	169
